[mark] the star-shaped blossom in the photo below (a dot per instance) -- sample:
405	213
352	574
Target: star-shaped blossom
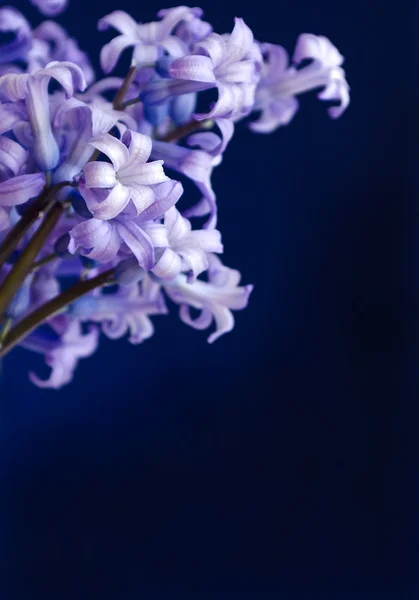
149	40
102	240
108	188
281	83
187	250
215	298
33	89
232	63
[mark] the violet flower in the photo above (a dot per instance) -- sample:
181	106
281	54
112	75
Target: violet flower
18	190
215	298
33	88
102	240
187	250
280	83
108	188
149	40
231	63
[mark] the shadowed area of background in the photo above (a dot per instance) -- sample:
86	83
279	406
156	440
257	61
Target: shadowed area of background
279	462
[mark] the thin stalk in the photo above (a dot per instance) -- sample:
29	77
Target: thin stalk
51	308
186	129
44	261
23	265
36	210
121	93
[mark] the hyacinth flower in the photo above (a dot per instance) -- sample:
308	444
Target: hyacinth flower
149	40
109	188
281	83
230	63
33	89
96	230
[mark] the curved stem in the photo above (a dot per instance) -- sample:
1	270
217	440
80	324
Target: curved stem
51	308
23	265
186	129
30	216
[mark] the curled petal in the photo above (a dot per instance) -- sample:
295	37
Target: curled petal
12	155
214	45
139	146
113	205
113	148
111	52
168	266
240	40
193	68
119	20
20	189
166	195
99	175
138	242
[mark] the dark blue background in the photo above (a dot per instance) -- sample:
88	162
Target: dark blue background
281	461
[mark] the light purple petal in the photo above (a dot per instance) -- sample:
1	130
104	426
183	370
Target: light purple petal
139	146
119	20
113	148
214	45
168	266
12	155
142	196
166	194
99	174
114	204
20	189
138	242
111	52
240	41
193	68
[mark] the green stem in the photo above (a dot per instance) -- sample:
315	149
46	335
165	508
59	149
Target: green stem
44	261
36	210
23	265
51	308
186	129
120	94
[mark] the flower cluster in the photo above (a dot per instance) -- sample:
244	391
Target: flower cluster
95	231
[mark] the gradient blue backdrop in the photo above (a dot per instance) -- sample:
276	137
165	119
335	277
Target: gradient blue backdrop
280	461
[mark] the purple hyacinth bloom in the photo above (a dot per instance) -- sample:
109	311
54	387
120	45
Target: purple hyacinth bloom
63	356
102	240
81	122
187	250
50	8
126	311
215	298
12	21
149	40
33	88
232	63
108	188
280	83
